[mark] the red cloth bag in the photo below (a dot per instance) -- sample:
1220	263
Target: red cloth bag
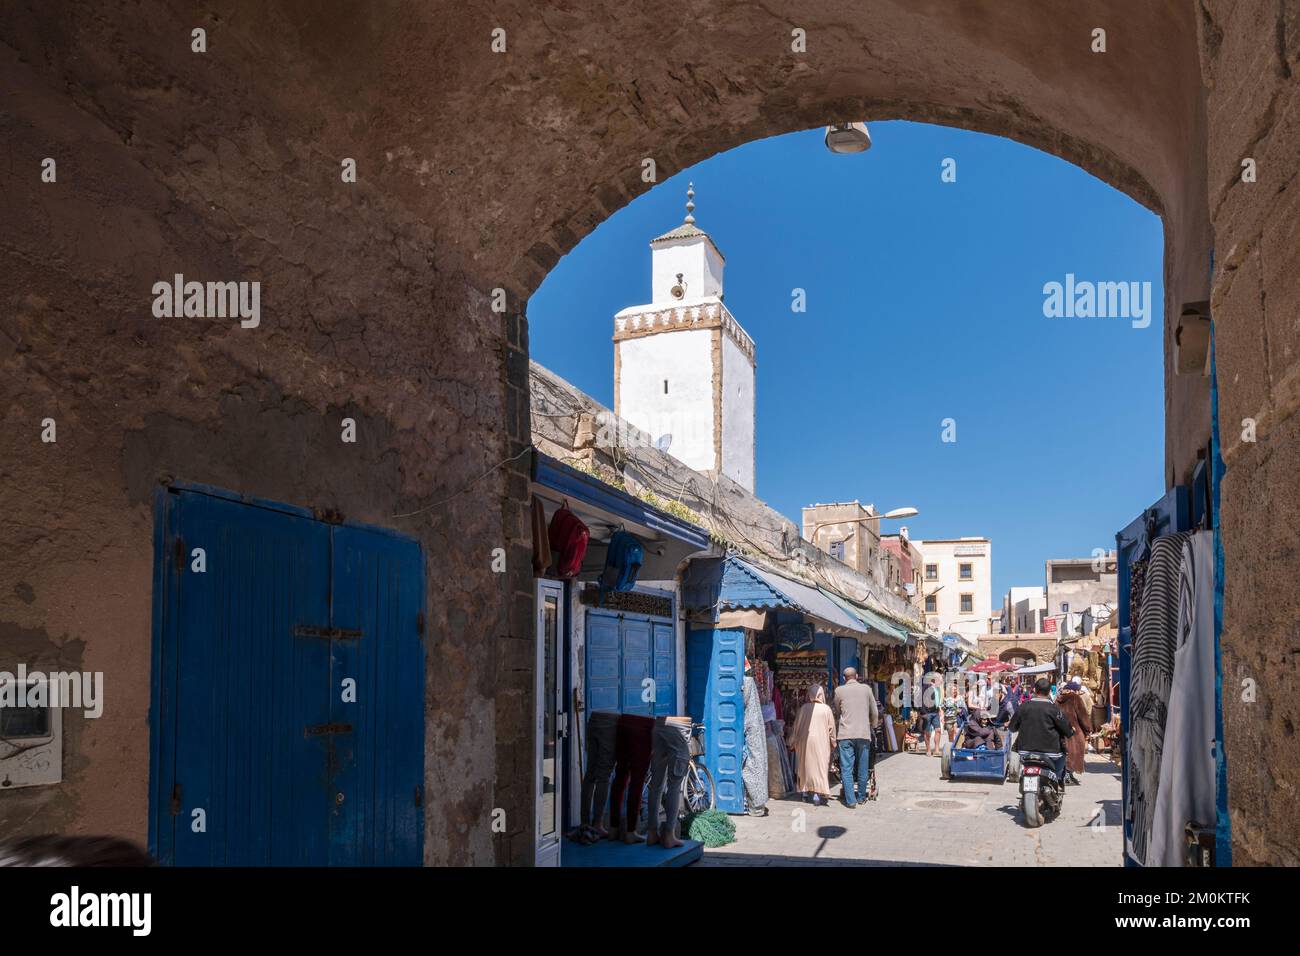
568	537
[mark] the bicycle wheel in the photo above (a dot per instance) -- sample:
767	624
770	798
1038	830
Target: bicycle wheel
697	788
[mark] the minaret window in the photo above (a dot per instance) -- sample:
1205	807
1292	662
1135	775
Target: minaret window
665	386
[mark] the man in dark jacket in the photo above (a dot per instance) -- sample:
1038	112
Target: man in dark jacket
1041	726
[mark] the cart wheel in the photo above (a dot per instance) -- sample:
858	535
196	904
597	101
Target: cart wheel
1013	766
945	759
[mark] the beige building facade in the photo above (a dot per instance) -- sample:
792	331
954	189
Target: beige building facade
957	581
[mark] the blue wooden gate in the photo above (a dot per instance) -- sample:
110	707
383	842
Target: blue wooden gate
287	720
715	673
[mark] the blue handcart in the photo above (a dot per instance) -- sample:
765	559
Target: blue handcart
960	763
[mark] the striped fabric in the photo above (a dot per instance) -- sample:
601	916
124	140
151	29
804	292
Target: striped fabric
1152	677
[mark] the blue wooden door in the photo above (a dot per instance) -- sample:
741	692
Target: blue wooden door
260	613
377	766
623	653
715	673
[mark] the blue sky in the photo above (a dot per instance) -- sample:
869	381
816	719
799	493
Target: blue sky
924	302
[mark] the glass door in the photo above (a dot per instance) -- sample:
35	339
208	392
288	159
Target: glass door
550	720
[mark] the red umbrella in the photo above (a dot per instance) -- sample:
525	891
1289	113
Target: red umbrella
992	665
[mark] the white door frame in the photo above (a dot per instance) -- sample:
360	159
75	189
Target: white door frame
550	709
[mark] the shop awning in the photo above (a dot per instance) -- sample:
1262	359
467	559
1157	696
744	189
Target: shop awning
666	539
721	585
882	630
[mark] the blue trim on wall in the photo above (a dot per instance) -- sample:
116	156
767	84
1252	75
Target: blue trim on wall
583	487
1223	822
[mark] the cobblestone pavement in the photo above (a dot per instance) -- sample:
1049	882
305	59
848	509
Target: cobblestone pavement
922	819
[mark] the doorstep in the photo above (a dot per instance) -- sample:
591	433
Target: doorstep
614	853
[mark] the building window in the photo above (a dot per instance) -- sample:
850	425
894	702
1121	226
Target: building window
837	550
665	386
931	604
967	603
964	572
932	572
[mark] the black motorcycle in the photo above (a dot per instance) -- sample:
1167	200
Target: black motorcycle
1041	789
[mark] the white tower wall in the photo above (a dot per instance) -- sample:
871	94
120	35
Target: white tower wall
737	414
697	261
684	359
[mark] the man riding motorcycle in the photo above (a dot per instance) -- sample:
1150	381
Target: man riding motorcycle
1041	727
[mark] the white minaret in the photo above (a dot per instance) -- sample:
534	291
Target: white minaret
683	366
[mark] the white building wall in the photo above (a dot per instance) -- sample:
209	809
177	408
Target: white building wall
684	358
737	415
701	270
949	615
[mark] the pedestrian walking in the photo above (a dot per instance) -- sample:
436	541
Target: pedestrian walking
856	713
812	738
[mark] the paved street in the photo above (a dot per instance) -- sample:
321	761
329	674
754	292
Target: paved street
920	818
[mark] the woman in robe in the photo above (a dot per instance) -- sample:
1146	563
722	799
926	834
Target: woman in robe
1071	704
812	738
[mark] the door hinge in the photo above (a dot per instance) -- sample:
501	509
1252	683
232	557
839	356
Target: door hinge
178	553
419	796
419	623
176	800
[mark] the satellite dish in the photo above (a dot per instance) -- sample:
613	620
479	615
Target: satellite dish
663	441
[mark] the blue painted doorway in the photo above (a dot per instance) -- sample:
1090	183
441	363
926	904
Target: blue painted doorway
287	720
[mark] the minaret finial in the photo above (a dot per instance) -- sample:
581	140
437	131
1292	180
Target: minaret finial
690	202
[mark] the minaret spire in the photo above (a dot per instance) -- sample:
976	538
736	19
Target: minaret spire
690	202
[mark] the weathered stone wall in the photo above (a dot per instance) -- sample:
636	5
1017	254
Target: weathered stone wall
1250	54
479	170
226	166
1043	648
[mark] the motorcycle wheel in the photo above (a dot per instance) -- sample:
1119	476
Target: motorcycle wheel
1013	766
945	759
1029	804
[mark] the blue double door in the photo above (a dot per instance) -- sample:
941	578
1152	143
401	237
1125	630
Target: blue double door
288	709
631	664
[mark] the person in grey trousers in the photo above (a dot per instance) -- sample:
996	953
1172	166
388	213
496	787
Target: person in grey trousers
669	762
856	713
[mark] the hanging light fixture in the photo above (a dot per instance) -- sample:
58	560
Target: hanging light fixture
848	138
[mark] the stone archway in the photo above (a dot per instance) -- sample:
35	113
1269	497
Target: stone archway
477	171
1018	655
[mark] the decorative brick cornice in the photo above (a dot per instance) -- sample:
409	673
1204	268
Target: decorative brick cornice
707	315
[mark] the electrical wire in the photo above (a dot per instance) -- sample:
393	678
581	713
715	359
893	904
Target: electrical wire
418	511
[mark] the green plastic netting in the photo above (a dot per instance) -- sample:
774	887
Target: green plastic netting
711	827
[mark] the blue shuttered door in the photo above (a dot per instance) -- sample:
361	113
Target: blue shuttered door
604	662
637	666
622	653
248	721
715	672
665	670
377	766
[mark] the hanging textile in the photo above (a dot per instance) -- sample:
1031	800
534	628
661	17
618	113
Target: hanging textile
1187	771
753	770
1151	680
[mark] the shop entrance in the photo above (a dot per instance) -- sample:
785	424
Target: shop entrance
288	688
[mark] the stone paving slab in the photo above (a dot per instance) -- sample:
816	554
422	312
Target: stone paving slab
922	819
